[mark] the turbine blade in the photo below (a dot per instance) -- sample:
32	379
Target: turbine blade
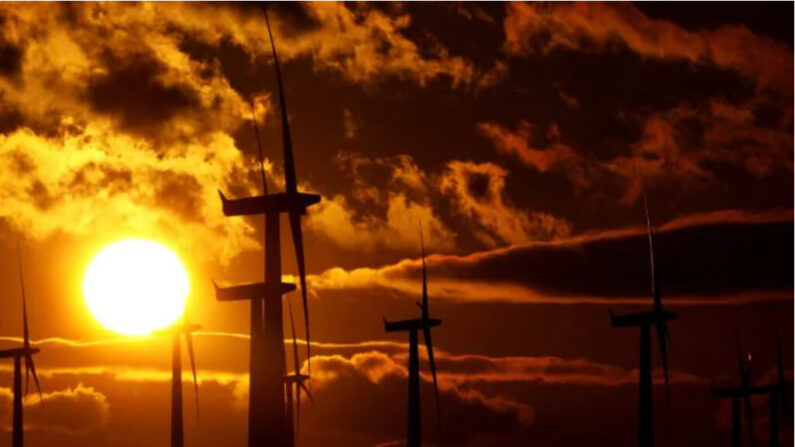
424	277
432	363
298	242
296	364
306	391
298	386
189	342
25	331
663	337
31	367
289	163
259	148
655	289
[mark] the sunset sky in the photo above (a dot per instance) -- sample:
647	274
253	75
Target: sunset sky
517	134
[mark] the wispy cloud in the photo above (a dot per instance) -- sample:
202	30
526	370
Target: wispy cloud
531	28
541	271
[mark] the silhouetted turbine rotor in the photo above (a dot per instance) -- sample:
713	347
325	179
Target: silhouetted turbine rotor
30	367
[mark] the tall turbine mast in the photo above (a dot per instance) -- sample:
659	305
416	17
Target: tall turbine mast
267	412
424	324
291	187
657	317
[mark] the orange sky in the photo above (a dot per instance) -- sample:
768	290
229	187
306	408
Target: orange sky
516	133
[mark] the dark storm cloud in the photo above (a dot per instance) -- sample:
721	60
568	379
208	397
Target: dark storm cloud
10	58
133	89
721	257
180	193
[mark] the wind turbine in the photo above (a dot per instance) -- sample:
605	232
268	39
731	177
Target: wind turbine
176	331
778	395
744	392
413	326
657	317
267	363
25	352
295	383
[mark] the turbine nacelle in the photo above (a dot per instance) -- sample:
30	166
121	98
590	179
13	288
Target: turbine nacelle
251	290
416	324
295	378
18	352
283	202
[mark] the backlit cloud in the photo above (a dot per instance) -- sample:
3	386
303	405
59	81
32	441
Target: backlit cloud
541	271
478	192
599	26
71	411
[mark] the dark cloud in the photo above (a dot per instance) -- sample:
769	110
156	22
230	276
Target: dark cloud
730	256
10	58
180	193
379	382
134	90
599	27
699	260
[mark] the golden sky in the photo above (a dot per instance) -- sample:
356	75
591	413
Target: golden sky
517	134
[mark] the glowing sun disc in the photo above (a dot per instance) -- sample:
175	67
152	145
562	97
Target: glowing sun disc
135	286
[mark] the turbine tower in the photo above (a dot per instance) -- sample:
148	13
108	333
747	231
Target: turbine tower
26	352
657	317
424	324
176	331
266	424
744	392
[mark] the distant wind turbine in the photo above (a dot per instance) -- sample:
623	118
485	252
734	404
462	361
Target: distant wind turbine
744	392
424	324
778	393
657	317
294	384
25	352
176	331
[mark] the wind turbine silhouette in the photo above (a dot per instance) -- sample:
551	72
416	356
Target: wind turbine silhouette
744	392
424	324
25	352
294	384
778	395
657	317
266	380
176	331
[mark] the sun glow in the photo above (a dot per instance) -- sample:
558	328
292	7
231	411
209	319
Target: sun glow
135	286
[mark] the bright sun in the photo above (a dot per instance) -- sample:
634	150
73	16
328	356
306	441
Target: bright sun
136	286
